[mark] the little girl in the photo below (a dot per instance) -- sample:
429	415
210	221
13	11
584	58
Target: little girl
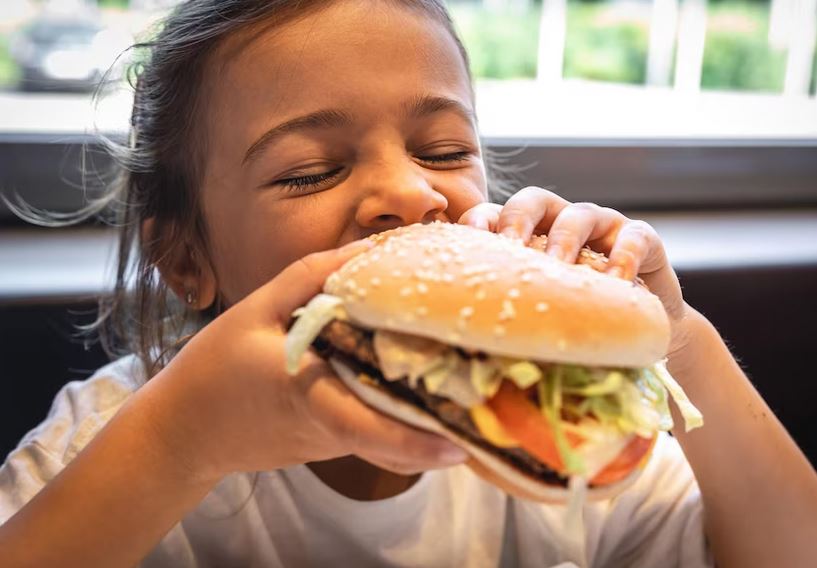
270	137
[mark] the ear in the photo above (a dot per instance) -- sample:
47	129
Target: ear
184	268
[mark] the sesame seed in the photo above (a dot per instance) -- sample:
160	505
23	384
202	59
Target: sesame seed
480	295
396	273
375	281
467	312
542	307
513	293
508	311
526	277
448	277
361	292
499	330
422	288
406	291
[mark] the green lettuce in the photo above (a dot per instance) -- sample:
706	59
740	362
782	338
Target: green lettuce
312	318
692	416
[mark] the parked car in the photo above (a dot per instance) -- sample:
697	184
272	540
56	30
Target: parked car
66	54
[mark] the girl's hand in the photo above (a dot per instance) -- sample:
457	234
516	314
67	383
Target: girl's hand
226	403
745	463
633	247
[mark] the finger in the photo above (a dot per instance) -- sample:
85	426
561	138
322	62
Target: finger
398	468
638	250
363	431
528	210
483	216
579	223
302	280
637	246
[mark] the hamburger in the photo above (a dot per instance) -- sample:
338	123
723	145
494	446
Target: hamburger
543	371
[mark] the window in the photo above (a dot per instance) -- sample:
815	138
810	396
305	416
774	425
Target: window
644	68
687	102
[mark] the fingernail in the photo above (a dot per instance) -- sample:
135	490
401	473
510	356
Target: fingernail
511	232
555	251
452	455
479	223
616	271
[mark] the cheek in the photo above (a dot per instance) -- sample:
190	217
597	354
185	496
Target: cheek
308	224
252	246
464	192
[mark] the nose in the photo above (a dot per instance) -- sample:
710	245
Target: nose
398	193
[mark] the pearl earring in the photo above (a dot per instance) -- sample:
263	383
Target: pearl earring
189	298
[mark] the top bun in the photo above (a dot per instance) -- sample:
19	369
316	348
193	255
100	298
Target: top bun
481	291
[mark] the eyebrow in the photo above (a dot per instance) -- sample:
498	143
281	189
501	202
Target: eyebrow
321	119
425	105
325	119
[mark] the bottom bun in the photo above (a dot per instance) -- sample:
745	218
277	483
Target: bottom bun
486	465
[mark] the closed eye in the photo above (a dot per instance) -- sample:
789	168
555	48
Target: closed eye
303	184
452	157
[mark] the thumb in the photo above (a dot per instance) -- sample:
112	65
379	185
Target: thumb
303	279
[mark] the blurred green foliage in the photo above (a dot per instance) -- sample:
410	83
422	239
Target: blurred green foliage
9	72
737	54
604	49
608	41
500	45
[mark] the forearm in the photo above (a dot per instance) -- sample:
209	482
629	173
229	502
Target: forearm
112	504
759	490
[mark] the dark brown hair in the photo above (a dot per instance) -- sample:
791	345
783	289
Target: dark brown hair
160	168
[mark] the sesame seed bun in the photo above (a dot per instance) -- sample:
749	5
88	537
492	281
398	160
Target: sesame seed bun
481	291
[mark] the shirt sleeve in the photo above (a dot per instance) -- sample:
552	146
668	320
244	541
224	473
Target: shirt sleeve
78	412
657	522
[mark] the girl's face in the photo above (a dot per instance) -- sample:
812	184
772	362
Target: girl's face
354	120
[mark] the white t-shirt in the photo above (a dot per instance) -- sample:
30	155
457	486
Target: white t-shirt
448	518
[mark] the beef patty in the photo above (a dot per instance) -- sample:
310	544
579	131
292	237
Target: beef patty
355	348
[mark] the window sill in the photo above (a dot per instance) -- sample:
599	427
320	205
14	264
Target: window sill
46	266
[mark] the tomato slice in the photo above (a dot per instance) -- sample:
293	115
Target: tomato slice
526	424
627	460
